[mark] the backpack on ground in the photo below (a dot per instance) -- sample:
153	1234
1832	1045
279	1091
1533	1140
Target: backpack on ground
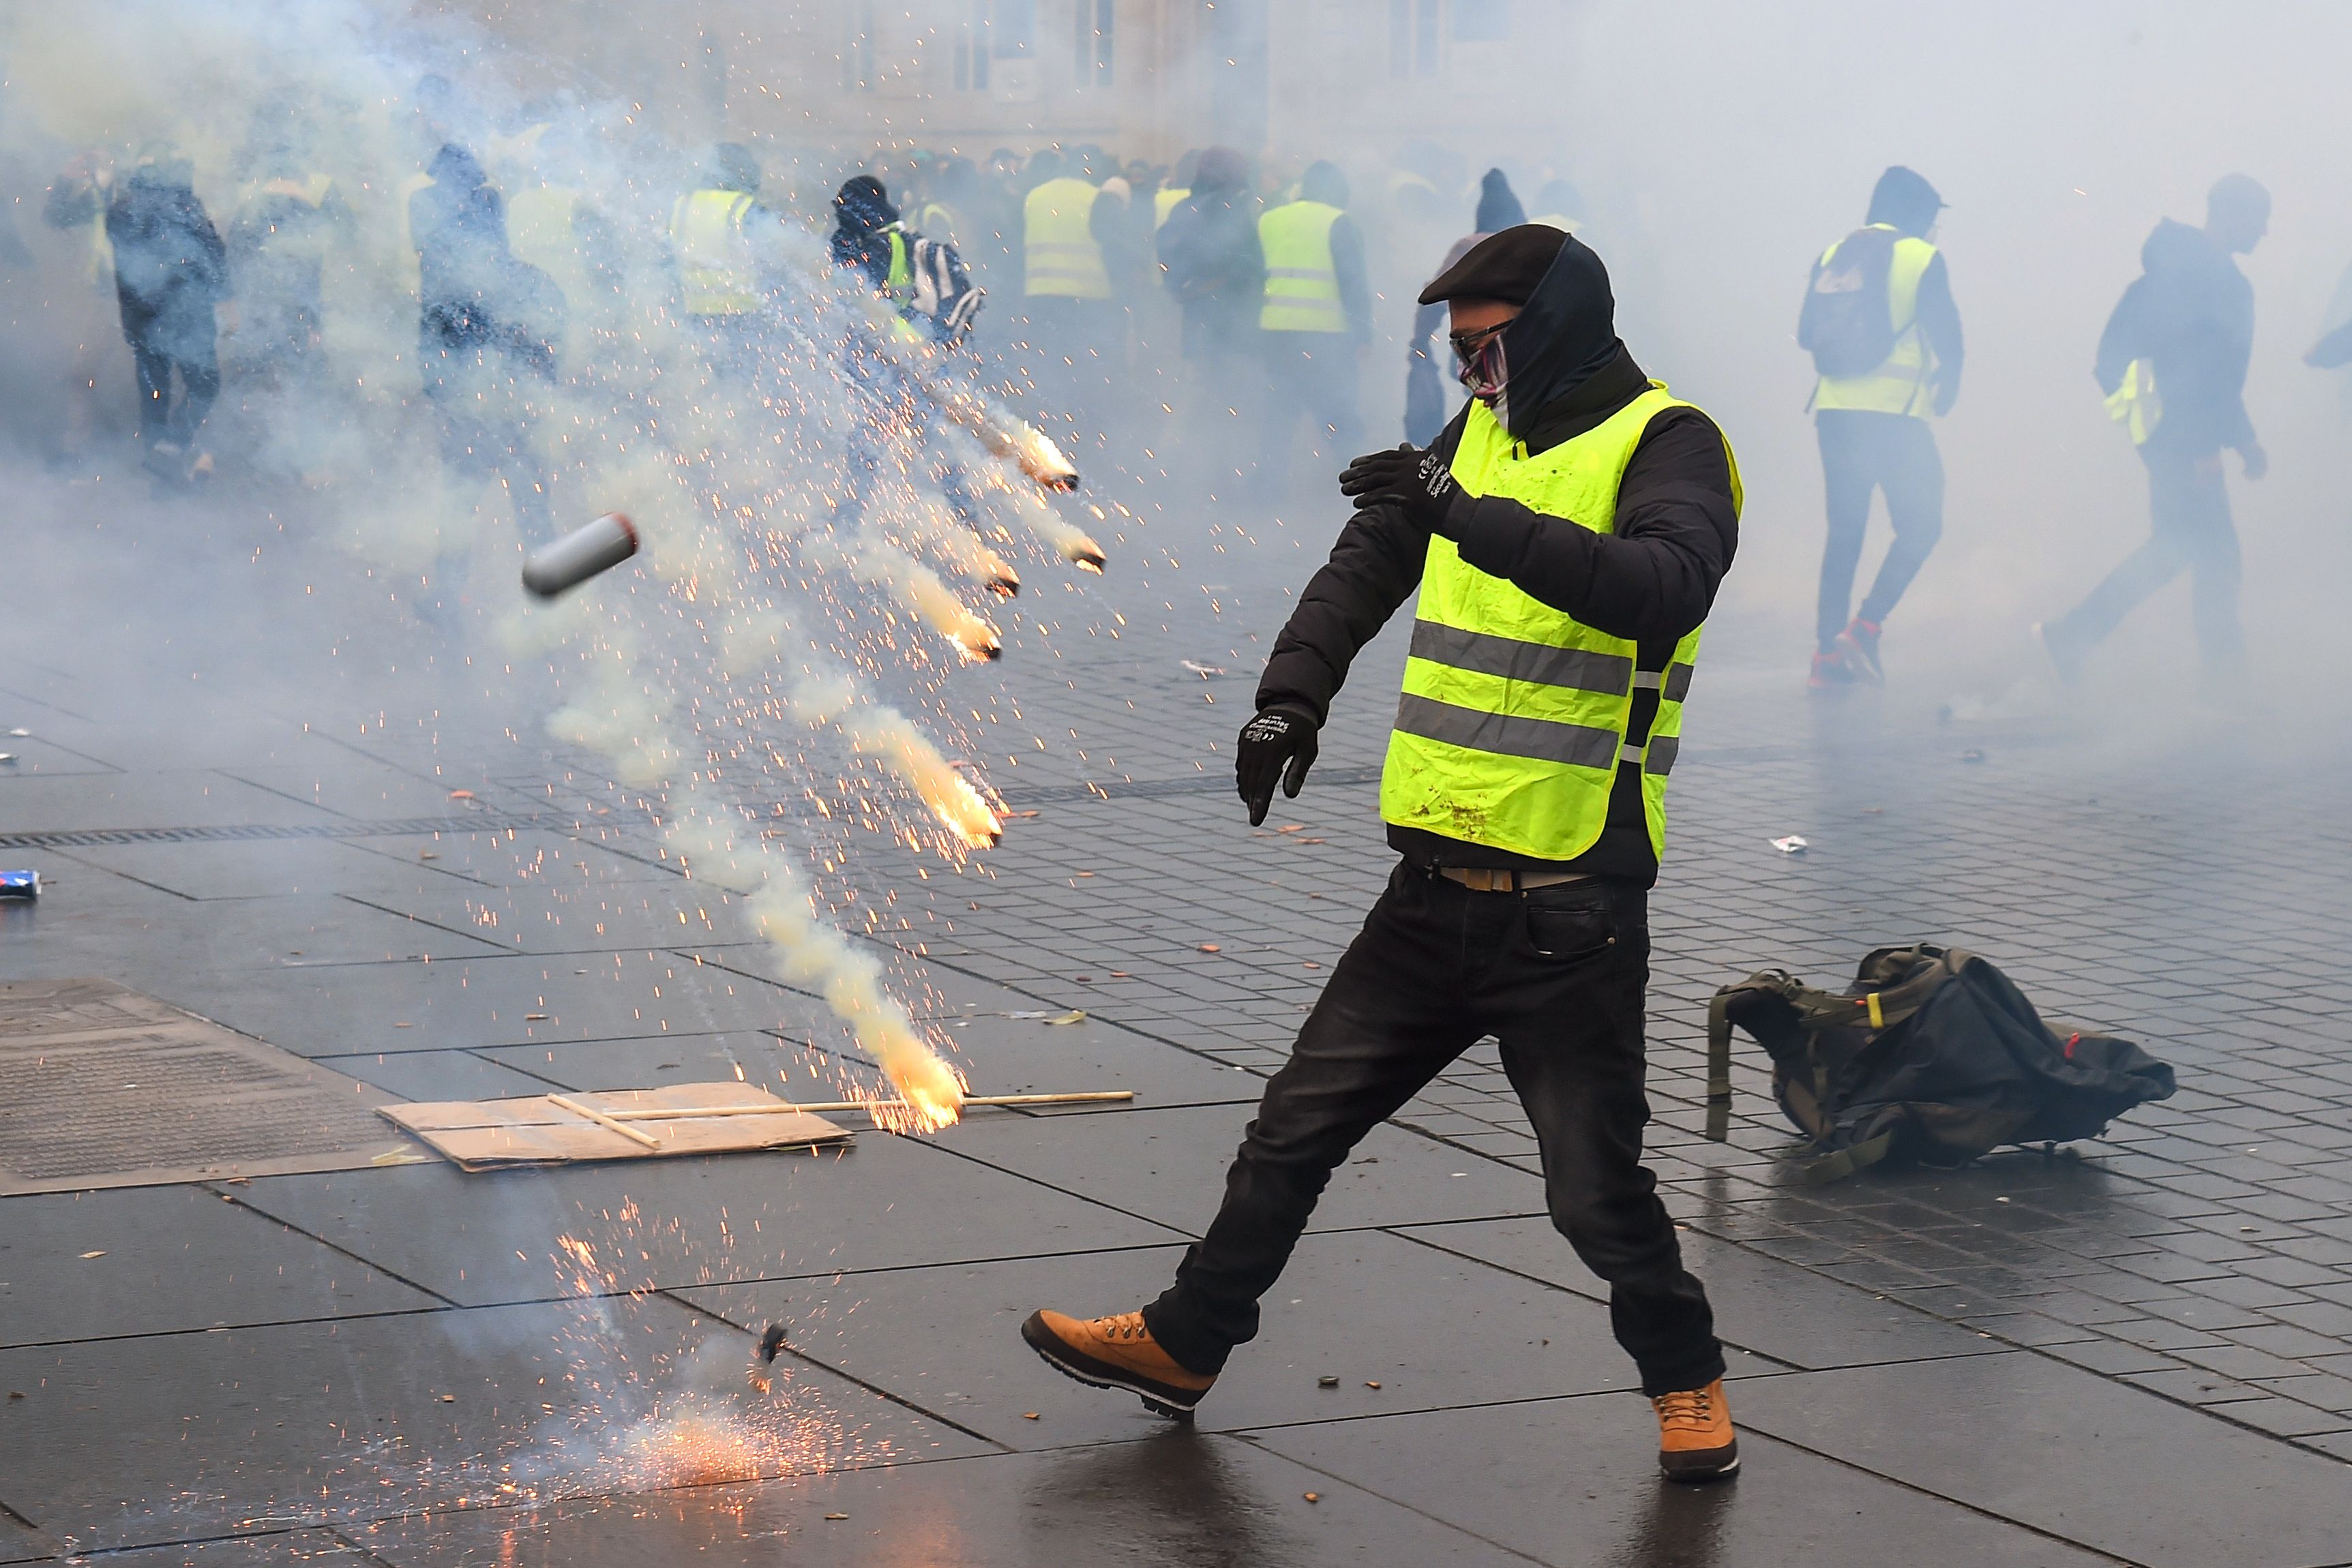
1847	324
1931	1057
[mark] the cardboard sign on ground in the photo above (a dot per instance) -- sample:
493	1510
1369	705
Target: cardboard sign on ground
556	1129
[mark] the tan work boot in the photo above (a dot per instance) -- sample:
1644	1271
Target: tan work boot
1696	1442
1117	1352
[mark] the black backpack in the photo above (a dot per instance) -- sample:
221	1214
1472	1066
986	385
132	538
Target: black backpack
1932	1056
1846	324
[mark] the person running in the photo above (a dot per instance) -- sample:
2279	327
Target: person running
2172	363
1886	337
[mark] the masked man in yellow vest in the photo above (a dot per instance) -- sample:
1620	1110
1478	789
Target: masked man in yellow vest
1315	321
723	243
1886	337
1566	534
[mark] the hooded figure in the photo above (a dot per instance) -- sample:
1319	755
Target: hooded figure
1210	259
1425	397
862	216
2187	325
169	270
1564	561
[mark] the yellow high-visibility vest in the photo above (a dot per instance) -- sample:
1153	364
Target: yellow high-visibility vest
717	275
1515	716
1302	286
1899	384
1163	202
1060	257
2135	403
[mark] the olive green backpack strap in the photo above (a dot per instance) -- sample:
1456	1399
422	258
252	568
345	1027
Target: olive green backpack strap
1847	1161
1719	1065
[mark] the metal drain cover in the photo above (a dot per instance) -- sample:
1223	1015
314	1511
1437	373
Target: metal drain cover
100	1086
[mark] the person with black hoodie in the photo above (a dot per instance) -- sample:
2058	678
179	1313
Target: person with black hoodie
2187	325
1566	534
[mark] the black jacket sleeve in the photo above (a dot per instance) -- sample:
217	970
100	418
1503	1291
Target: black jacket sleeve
1374	569
1654	578
1939	318
2125	338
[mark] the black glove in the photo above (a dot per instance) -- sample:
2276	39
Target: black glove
1417	482
1277	744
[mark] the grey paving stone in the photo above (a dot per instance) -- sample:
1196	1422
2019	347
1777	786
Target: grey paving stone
1774	1309
1430	1328
184	1437
499	1236
1573	1481
168	1260
1176	1500
1169	1166
2111	1467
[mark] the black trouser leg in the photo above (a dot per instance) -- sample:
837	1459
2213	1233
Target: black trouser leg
1568	1009
1911	471
1558	976
1392	1016
1848	478
155	389
200	383
2189	517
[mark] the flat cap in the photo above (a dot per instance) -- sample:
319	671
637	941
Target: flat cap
1504	267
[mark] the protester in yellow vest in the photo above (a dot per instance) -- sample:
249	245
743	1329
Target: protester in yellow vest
1566	535
1315	321
721	242
1074	326
1886	337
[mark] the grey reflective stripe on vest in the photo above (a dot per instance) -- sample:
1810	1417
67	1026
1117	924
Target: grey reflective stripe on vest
1662	749
1539	740
1537	663
1673	687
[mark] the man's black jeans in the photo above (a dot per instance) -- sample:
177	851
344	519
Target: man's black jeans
1557	974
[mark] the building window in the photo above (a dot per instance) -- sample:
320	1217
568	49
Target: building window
857	53
1094	22
1412	38
1016	30
1481	21
972	47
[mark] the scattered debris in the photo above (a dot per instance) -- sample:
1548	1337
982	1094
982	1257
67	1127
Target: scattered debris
1312	1496
1075	1015
772	1341
8	757
15	1393
1791	845
1291	828
461	794
1370	1385
99	1253
836	1516
1120	974
448	1399
1206	672
1028	1414
20	732
1211	948
20	884
534	1018
1973	754
1327	1383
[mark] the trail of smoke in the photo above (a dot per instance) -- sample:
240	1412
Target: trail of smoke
812	954
1065	539
929	525
876	561
891	737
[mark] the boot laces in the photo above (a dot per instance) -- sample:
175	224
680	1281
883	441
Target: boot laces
1122	1325
1690	1409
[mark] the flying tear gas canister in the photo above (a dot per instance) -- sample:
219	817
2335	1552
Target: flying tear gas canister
580	555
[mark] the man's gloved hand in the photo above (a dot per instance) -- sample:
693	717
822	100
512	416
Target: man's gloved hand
1416	482
1279	743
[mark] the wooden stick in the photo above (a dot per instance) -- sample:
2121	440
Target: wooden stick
781	1108
602	1120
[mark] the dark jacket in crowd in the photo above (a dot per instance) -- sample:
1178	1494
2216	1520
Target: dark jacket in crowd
2191	314
1651	579
473	296
1214	266
170	265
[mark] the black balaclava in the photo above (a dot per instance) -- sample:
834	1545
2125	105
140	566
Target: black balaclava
1564	335
862	205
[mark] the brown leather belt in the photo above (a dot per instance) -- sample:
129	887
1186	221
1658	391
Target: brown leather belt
1481	881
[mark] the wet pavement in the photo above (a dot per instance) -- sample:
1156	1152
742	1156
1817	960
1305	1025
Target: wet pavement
2137	1349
